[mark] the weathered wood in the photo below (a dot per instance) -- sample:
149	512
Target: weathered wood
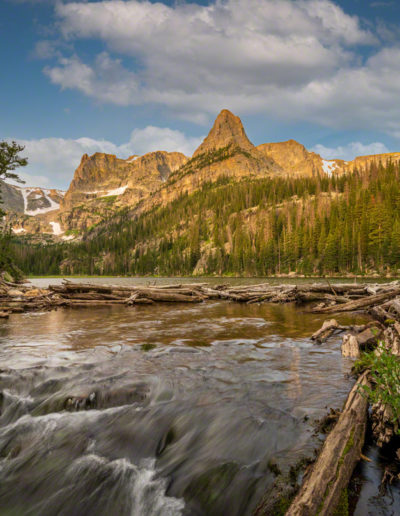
326	330
168	296
360	303
323	485
312	296
350	346
96	302
379	313
341	297
90	296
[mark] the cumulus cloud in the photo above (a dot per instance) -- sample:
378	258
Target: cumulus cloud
286	58
350	151
52	161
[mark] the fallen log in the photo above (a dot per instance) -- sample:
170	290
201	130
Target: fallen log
311	296
327	329
379	313
135	299
97	302
359	303
330	474
168	296
91	296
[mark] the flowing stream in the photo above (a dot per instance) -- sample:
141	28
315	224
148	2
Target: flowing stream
159	410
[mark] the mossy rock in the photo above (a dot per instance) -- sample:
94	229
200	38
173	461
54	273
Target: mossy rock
207	487
147	346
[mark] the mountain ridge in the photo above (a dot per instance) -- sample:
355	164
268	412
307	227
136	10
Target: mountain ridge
103	183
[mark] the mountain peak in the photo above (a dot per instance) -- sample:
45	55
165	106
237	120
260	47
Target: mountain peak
227	129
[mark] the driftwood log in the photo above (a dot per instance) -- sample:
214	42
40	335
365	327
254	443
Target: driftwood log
358	304
330	474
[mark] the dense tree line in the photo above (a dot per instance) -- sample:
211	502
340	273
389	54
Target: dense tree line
319	225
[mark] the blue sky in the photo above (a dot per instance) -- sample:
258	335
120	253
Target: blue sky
128	77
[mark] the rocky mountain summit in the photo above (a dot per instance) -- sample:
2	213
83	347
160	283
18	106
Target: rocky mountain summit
227	130
103	184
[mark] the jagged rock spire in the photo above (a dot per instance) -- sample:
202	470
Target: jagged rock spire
227	129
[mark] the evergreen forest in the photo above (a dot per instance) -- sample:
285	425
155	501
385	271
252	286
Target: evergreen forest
324	225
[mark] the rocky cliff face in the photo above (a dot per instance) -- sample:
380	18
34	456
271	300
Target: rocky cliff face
29	210
225	153
103	183
293	158
361	162
30	201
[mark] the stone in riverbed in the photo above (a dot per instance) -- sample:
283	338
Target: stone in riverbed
368	337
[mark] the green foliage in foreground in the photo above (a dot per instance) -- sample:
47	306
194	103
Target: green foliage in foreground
385	372
313	226
10	160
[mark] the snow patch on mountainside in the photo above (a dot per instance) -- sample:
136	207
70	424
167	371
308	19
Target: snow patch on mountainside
107	193
116	191
56	228
46	194
329	166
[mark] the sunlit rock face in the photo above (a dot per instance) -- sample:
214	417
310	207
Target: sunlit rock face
293	158
104	175
227	130
103	184
226	152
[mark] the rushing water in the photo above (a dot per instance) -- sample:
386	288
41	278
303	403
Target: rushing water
159	410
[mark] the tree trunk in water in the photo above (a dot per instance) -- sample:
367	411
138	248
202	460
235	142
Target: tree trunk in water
331	473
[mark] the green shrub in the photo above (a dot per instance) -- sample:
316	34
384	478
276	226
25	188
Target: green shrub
385	373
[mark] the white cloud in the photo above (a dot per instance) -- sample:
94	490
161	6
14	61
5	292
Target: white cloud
52	161
160	138
350	151
107	80
246	55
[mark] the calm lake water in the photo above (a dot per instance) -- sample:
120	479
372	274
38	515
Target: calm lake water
159	410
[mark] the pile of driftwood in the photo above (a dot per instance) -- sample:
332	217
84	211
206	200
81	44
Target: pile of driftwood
329	299
19	298
322	298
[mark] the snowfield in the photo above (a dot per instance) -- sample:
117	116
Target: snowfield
46	193
329	166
